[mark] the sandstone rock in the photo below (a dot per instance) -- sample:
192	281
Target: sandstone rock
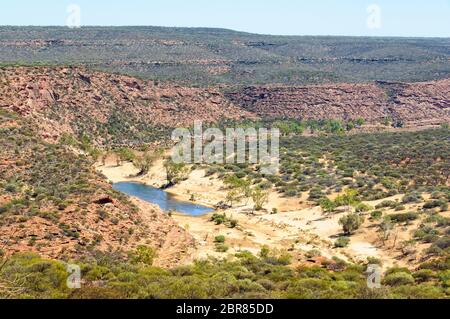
414	104
106	95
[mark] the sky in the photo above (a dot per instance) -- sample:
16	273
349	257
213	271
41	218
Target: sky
416	18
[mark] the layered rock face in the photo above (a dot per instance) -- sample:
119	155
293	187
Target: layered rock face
419	104
74	100
415	104
116	109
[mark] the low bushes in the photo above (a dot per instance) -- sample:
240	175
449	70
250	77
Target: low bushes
351	223
342	242
441	203
399	279
246	276
403	218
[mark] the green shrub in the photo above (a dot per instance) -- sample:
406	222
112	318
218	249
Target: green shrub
218	219
374	261
412	198
327	205
233	223
441	203
3	209
425	231
264	252
222	248
403	218
313	253
284	259
144	255
443	243
219	239
291	192
11	187
342	242
435	251
387	204
422	291
424	275
376	215
351	223
361	208
399	279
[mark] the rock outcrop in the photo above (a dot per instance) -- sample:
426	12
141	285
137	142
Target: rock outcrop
53	202
75	100
416	104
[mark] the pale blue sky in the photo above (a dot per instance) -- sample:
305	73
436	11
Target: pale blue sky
284	17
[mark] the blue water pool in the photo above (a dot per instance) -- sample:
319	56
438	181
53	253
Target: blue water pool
161	198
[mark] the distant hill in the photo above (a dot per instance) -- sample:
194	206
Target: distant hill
201	56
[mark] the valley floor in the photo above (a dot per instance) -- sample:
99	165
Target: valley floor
299	227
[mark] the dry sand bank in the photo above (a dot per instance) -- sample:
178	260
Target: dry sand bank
299	227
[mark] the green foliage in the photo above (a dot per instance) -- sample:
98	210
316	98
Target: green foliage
374	261
376	215
350	223
264	252
144	255
298	60
361	208
267	276
125	154
342	242
145	161
260	198
399	279
29	276
219	239
233	196
218	219
239	189
349	198
441	203
403	218
68	139
176	172
387	204
327	205
232	223
412	198
222	248
288	127
424	275
360	121
357	163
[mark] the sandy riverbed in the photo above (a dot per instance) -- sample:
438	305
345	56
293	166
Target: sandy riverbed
298	227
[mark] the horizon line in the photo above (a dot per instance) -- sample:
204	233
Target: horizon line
225	29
